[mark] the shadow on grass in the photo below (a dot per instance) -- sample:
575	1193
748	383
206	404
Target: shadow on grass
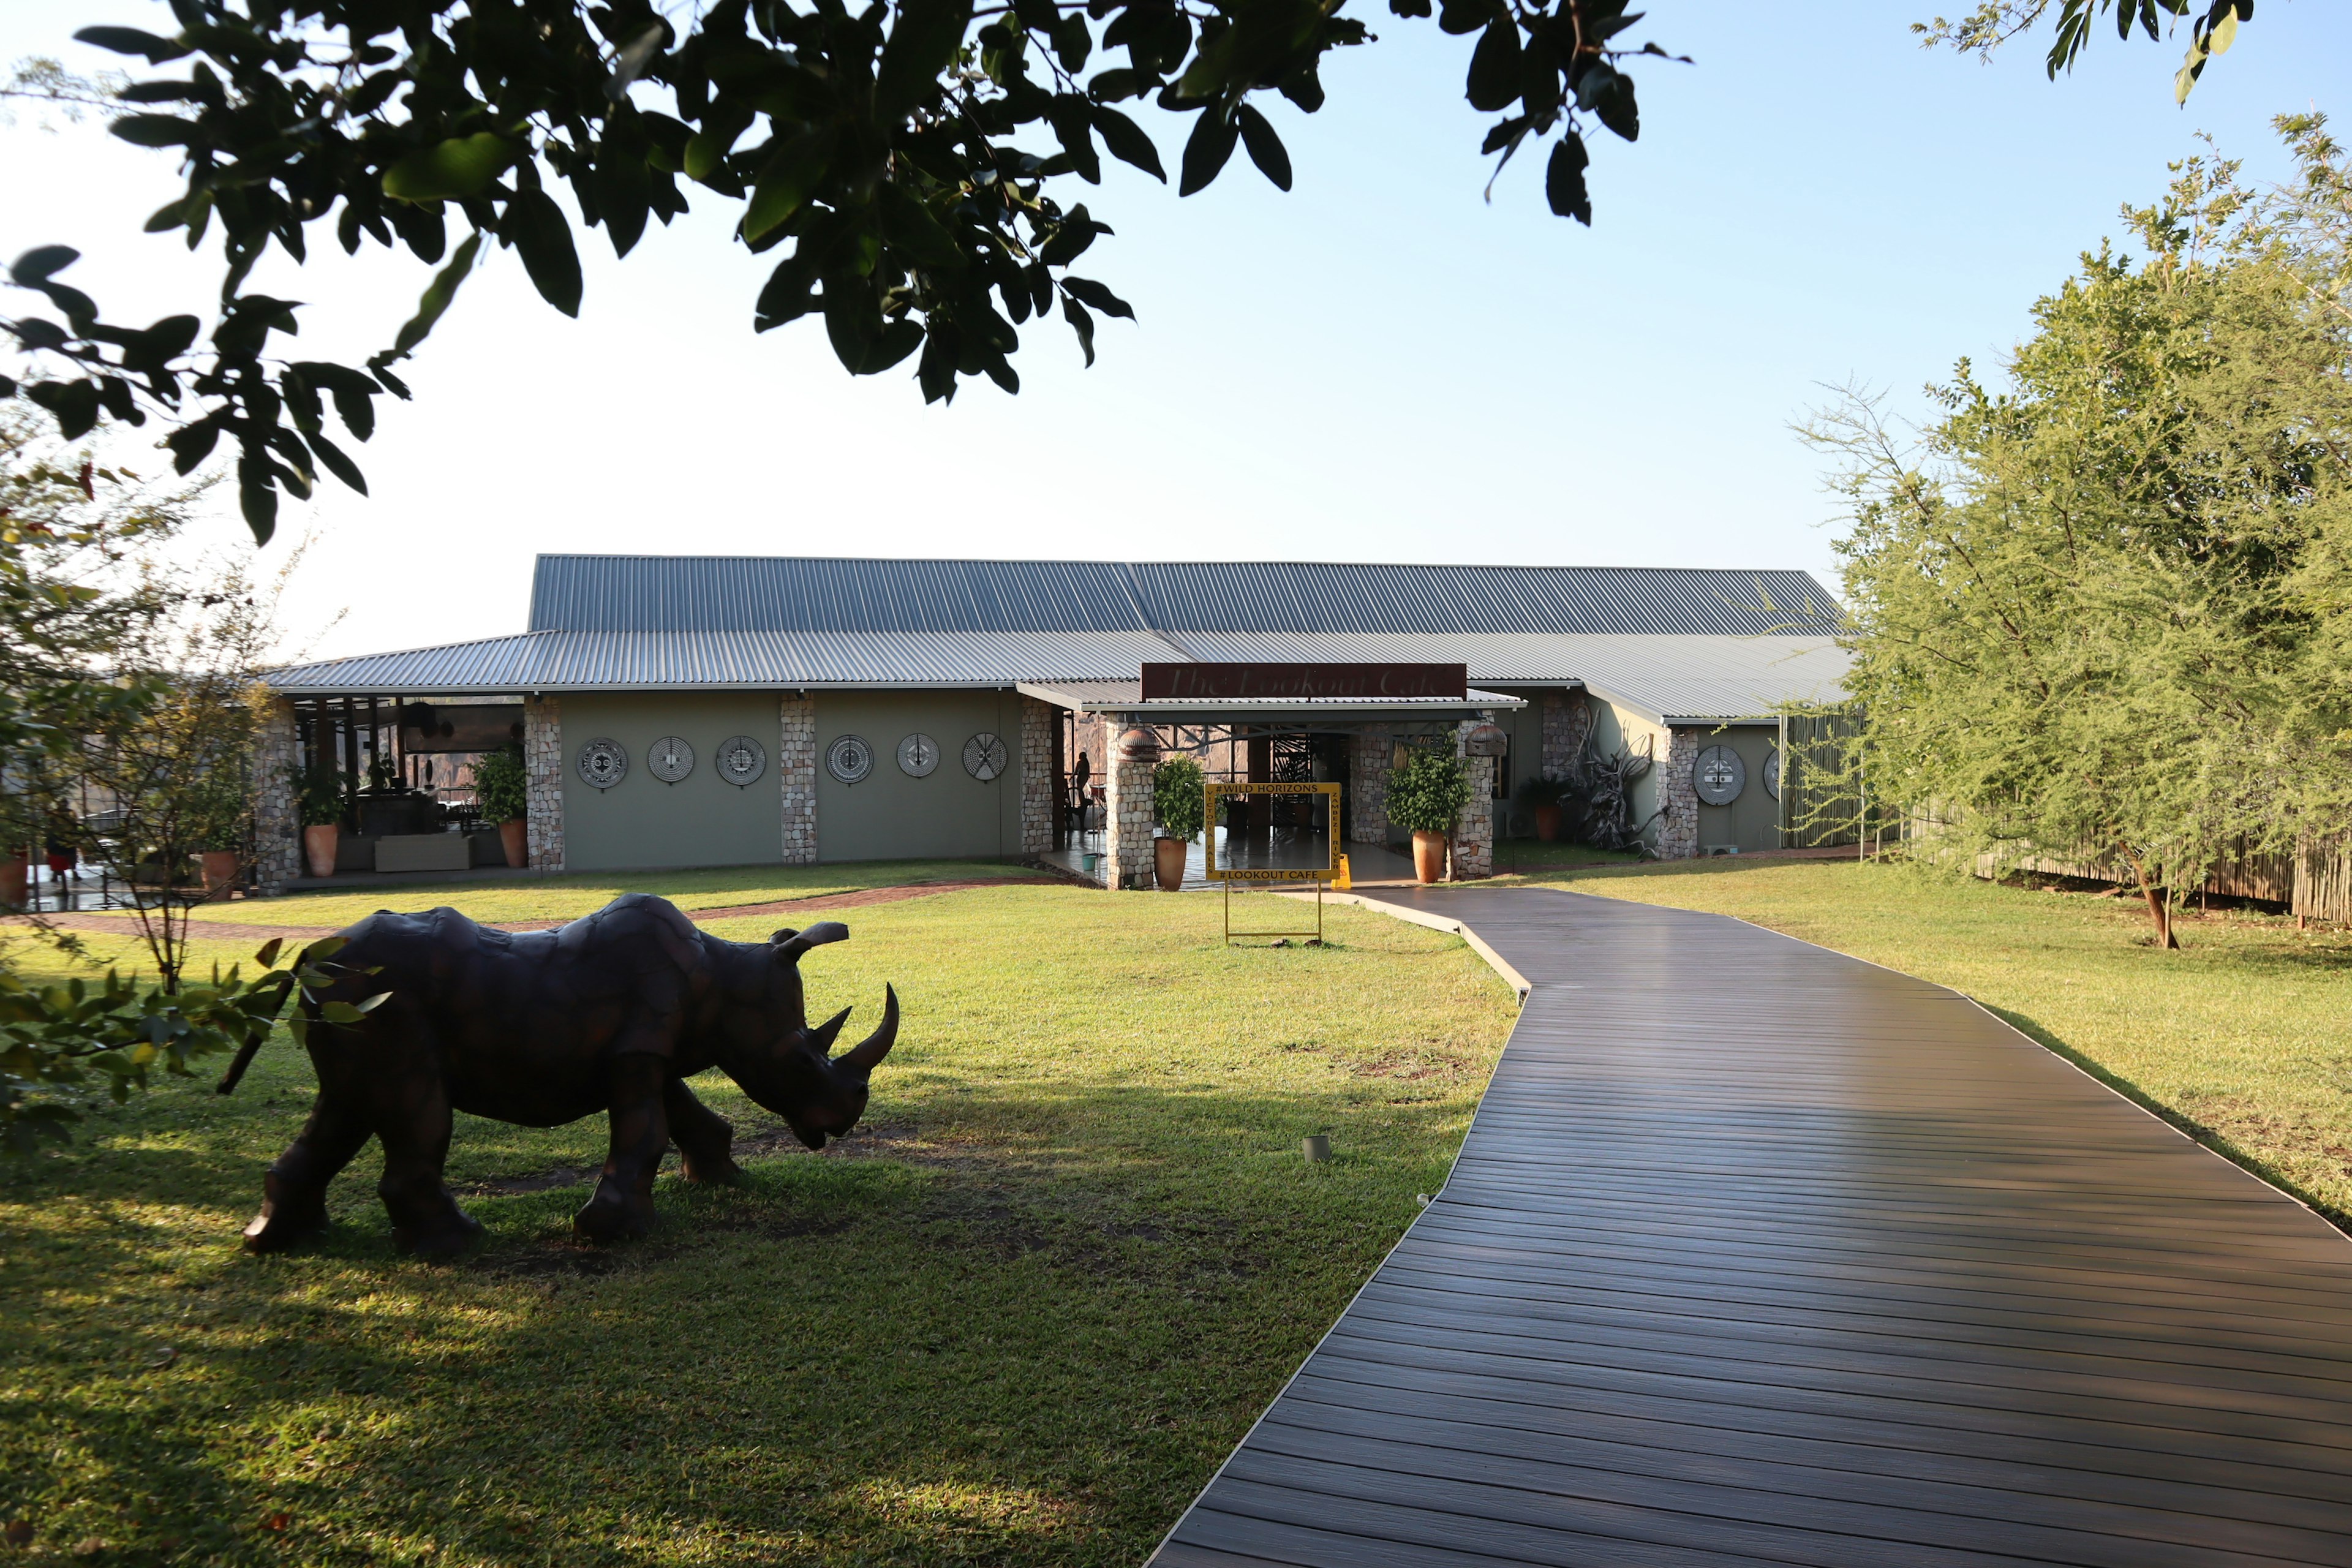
921	1346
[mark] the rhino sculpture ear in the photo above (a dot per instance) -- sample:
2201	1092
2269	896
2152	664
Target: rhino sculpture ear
791	944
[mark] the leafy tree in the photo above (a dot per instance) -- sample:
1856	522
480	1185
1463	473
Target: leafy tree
2097	615
2213	29
907	158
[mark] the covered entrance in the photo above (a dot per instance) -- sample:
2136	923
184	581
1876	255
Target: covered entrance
1340	723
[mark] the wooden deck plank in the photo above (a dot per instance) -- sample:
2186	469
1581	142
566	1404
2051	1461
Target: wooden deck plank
1755	1253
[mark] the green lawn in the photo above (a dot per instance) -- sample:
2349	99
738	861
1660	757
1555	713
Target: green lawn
2243	1038
1019	1319
564	897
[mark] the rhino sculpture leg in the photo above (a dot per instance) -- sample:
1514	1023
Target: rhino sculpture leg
624	1204
703	1136
413	1120
294	1193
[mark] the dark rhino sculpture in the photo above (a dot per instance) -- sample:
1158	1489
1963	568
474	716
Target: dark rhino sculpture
612	1013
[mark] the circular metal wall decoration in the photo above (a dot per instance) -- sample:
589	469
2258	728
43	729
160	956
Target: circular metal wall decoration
670	760
1772	773
849	759
740	760
984	756
917	756
1719	776
602	762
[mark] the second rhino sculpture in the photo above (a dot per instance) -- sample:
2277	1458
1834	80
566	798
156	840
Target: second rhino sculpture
612	1013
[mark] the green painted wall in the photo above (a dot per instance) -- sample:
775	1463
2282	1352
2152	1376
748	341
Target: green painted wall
888	816
1753	821
701	820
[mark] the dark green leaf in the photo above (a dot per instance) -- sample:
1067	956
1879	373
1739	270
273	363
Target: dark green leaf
37	265
268	955
192	444
332	456
437	296
790	178
450	170
926	38
155	130
257	495
73	403
542	236
1459	17
1206	149
1266	149
1564	180
1495	66
1084	324
1128	142
1100	297
132	41
1072	42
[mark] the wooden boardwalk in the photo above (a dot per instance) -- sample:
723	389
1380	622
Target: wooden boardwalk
1757	1254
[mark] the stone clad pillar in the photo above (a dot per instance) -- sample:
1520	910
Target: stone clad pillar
1474	831
1126	810
1369	756
1566	723
542	761
1678	792
1038	782
796	776
276	830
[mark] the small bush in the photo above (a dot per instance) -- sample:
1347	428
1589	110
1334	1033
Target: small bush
1428	793
1179	797
499	786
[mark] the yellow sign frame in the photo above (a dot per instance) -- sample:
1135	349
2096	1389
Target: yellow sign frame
1210	870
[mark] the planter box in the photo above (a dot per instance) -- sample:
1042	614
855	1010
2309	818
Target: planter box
422	852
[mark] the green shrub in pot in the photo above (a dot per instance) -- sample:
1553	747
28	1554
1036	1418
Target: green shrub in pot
1428	793
499	786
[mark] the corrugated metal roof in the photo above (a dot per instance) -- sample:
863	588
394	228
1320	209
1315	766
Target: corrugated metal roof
1666	643
743	592
1337	597
623	660
1677	677
1126	696
814	593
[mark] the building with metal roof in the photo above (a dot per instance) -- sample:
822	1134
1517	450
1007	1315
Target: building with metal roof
1039	660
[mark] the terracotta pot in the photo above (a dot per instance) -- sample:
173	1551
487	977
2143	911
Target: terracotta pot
318	844
220	869
13	872
1429	856
1547	824
514	837
1169	853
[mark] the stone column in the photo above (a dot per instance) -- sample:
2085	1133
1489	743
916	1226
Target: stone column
277	828
1126	811
1566	723
1677	757
1369	756
542	762
1038	784
796	776
1474	831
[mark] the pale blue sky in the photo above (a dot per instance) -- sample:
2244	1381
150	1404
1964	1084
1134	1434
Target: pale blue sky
1377	366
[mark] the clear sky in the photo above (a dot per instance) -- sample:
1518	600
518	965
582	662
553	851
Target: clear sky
1379	365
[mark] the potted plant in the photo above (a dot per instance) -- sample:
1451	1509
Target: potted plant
1180	801
1544	797
319	798
1425	795
501	789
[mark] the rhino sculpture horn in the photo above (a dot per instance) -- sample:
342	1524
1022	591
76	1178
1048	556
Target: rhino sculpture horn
824	1034
869	1051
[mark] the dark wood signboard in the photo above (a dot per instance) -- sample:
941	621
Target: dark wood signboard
1303	682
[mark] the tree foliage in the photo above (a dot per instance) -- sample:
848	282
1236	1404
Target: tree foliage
1179	797
2213	29
1428	793
909	161
2099	612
